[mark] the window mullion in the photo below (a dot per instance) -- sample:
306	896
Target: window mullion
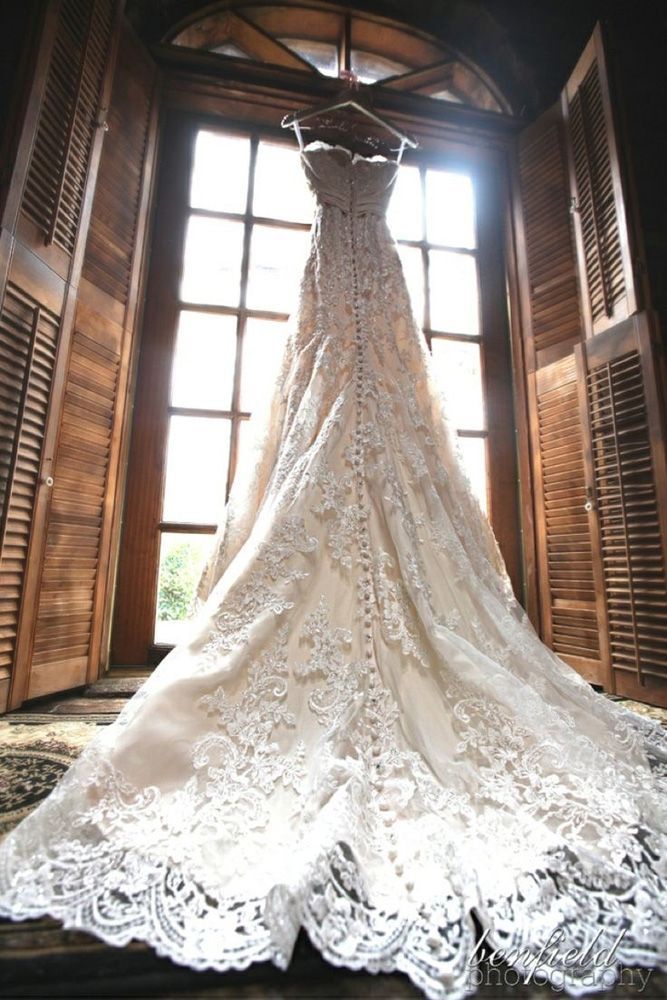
241	315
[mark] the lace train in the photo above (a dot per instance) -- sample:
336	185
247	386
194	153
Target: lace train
363	736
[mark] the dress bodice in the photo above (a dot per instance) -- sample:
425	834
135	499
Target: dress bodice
354	184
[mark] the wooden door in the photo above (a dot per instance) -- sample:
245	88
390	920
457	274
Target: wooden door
621	395
46	207
62	636
552	326
579	249
607	246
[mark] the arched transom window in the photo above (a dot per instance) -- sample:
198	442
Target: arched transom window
319	38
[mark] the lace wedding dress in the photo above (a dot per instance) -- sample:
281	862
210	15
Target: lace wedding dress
363	736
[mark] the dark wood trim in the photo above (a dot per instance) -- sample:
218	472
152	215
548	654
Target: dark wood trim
134	605
110	543
515	250
274	91
497	368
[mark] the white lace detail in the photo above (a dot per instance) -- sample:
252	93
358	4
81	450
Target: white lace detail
364	737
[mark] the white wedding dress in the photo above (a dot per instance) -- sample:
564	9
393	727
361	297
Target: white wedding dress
364	736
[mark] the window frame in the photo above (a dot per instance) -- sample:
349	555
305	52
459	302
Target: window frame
190	102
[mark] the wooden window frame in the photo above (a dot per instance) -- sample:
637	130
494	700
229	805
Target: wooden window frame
198	94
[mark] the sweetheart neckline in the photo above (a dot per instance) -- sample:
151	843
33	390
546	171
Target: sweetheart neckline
353	157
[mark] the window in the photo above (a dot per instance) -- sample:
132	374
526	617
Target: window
318	39
219	291
246	237
432	215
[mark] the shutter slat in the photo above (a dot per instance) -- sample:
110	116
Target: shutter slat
629	508
604	243
74	568
56	178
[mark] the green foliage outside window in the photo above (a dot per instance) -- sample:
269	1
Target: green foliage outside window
179	575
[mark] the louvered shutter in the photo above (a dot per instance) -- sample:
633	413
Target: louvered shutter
45	217
72	109
621	401
551	325
605	245
30	324
72	602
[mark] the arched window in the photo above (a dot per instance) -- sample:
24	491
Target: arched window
320	39
233	216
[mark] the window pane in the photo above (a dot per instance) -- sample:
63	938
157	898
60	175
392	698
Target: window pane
228	49
203	369
458	370
263	349
453	292
450	209
322	55
182	559
212	261
220	172
474	461
445	95
277	257
413	269
281	191
370	67
404	215
197	460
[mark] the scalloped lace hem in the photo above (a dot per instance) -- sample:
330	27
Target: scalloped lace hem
129	897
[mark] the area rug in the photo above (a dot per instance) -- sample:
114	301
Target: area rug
33	759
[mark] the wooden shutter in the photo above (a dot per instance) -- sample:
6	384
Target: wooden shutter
551	326
30	323
71	111
72	600
45	216
605	245
621	406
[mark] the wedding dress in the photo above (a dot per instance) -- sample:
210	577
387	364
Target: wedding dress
363	735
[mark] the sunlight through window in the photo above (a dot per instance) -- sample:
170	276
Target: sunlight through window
203	366
239	284
197	460
220	172
212	261
278	172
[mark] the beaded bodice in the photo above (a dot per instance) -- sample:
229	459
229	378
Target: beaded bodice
354	184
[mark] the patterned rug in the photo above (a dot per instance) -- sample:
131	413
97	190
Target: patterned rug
33	759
